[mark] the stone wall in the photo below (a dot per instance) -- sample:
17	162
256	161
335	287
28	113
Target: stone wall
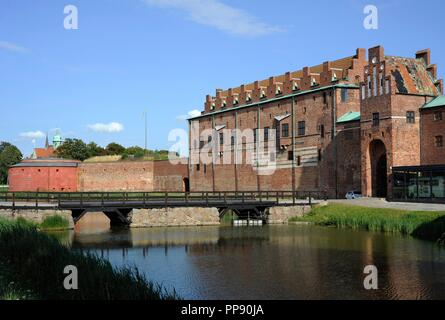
281	215
174	217
36	216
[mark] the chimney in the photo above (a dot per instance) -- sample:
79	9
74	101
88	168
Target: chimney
360	54
287	76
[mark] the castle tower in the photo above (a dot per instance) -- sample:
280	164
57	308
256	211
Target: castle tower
57	140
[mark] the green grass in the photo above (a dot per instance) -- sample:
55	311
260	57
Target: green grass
54	222
421	224
4	189
33	262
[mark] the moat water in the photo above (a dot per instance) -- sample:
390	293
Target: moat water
270	262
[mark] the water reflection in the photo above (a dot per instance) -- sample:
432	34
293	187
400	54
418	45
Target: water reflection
271	262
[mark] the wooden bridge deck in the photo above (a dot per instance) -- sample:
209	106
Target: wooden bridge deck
138	200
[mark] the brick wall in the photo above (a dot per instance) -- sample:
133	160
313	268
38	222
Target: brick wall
132	176
430	128
43	179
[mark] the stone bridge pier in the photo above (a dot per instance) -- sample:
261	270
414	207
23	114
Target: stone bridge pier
118	217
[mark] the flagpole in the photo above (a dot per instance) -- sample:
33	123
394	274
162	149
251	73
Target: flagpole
145	115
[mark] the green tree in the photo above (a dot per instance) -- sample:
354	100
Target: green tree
115	149
94	150
74	149
135	151
3	145
9	155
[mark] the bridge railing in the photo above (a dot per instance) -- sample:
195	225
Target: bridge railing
208	198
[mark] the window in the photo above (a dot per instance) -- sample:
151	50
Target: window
285	130
198	167
272	157
319	154
344	94
232	140
381	83
387	87
363	92
410	117
201	144
221	138
205	168
209	139
266	133
375	119
290	155
374	81
299	161
322	130
437	115
255	134
301	128
438	141
325	98
369	86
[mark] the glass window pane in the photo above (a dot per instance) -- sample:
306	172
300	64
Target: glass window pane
411	179
424	184
438	182
399	185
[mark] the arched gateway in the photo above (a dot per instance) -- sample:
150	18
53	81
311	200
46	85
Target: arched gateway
379	167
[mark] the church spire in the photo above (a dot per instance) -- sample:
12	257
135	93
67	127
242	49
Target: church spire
46	142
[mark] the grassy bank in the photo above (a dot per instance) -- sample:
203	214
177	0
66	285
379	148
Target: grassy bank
32	265
421	224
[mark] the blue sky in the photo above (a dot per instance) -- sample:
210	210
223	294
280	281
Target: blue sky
166	55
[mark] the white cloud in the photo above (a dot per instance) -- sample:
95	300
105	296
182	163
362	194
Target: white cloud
112	127
33	135
190	114
9	46
216	14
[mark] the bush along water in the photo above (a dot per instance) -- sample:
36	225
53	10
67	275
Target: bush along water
34	263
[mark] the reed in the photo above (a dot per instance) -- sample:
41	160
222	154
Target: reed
54	222
35	261
421	224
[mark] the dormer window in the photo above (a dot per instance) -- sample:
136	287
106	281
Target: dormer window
248	97
278	91
262	94
212	107
223	104
334	77
235	101
314	82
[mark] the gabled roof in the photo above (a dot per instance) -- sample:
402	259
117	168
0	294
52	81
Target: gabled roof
349	116
436	102
411	76
44	152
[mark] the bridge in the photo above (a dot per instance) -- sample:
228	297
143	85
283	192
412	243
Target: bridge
117	205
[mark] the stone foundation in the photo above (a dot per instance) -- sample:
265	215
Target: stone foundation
174	217
36	216
281	215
